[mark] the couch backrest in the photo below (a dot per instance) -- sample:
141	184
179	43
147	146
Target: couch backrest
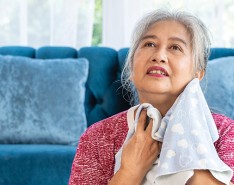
104	95
103	90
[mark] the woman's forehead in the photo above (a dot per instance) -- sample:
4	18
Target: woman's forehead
168	26
175	30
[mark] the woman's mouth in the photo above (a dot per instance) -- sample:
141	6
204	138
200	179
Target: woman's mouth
157	71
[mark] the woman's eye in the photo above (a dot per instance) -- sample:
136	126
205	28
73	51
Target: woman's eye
175	47
150	44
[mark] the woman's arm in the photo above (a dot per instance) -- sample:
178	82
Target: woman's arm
86	166
138	155
203	177
225	144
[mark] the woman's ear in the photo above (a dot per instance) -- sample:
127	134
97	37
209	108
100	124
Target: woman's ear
200	74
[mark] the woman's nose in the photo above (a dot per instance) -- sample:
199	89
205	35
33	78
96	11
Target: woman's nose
159	56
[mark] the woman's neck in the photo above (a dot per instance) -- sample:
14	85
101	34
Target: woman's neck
162	102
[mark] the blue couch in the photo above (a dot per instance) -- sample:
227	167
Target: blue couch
46	164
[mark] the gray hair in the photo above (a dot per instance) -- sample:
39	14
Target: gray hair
200	43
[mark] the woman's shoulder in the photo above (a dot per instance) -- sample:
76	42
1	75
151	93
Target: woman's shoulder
225	143
225	127
223	122
108	127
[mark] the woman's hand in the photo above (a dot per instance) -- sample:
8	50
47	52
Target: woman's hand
138	155
203	177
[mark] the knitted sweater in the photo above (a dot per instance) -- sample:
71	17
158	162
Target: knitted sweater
95	157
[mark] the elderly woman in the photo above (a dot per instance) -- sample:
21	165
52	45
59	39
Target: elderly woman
169	50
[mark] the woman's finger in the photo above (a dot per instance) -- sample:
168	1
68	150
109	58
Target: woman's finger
159	146
141	121
149	127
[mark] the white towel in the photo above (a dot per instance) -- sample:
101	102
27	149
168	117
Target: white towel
188	132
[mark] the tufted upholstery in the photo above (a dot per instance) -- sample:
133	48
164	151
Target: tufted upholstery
103	92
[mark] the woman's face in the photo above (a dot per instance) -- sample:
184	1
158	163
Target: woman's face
163	63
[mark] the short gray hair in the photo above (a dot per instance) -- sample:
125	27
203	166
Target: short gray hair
200	42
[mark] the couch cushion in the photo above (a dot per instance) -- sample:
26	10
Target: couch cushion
55	52
42	101
35	164
18	51
218	85
220	52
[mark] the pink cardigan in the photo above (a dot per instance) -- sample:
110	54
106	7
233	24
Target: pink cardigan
95	157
